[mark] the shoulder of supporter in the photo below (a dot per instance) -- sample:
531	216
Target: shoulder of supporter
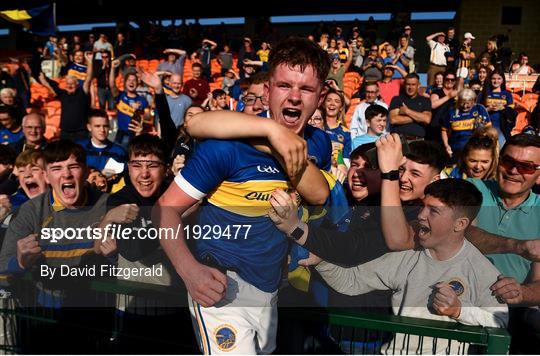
396	102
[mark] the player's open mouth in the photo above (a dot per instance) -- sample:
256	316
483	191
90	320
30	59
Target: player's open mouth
291	115
69	190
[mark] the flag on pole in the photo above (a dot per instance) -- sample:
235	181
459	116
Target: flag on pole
38	20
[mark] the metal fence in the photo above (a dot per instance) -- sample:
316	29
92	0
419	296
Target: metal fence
348	331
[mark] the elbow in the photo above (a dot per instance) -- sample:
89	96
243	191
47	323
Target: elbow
320	197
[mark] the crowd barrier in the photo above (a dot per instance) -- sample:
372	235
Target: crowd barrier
351	331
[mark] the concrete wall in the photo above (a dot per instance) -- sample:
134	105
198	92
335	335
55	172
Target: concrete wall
483	19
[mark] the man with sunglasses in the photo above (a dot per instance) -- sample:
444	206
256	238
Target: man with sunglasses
511	209
505	230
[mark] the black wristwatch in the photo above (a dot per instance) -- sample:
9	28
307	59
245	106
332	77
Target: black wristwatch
297	233
392	175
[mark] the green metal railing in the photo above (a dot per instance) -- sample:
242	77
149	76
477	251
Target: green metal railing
347	326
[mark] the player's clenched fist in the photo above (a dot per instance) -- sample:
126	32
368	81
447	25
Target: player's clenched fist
446	301
206	285
28	251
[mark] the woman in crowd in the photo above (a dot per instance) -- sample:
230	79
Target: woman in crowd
461	122
442	101
184	142
438	84
482	74
498	102
333	115
479	157
491	53
332	47
316	120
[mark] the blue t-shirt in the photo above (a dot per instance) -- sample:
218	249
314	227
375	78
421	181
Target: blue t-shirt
237	181
363	139
7	136
126	107
461	125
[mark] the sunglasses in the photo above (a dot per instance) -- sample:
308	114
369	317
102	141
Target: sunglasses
508	163
450	79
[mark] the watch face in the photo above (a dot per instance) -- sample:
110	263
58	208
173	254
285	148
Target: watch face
297	233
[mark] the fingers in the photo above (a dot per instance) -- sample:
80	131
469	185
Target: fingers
283	203
220	277
502	282
312	260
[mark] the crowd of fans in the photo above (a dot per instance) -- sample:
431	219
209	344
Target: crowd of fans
131	116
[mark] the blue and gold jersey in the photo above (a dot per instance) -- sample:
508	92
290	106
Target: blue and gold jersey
341	140
126	107
319	147
461	125
78	71
237	181
8	136
503	98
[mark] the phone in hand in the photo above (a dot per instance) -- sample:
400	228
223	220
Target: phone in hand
371	154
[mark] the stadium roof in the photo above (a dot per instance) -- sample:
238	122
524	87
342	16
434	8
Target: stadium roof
72	12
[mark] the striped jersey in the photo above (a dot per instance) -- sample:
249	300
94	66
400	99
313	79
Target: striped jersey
234	229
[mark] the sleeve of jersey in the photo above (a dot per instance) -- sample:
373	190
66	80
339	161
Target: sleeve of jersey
347	145
483	112
446	120
210	165
326	151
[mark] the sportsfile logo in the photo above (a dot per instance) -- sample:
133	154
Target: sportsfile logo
267	169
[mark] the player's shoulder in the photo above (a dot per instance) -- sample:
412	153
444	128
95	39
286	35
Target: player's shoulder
222	149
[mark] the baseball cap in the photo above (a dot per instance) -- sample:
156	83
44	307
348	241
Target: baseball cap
469	35
334	56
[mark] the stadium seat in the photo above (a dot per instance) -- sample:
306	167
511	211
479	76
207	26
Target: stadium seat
529	101
522	120
350	112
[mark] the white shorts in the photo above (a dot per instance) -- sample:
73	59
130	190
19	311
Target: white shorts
244	322
462	73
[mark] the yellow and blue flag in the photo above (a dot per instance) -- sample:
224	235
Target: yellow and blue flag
38	20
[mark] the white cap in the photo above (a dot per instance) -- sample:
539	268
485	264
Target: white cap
469	35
